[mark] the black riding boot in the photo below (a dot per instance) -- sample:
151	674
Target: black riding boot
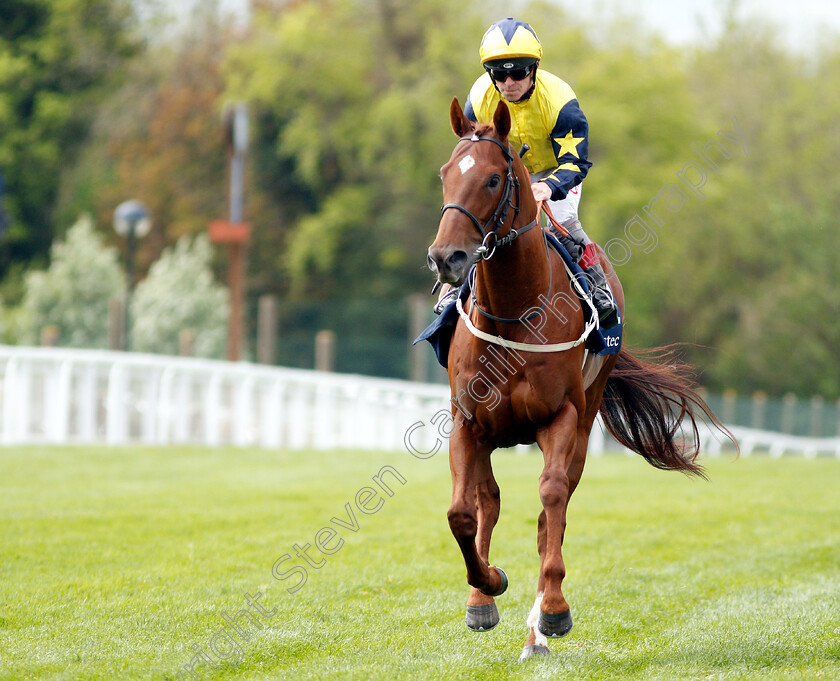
584	253
602	297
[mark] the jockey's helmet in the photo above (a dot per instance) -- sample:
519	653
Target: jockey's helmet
510	39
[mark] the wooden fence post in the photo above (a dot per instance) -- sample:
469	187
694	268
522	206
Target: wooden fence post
325	350
418	314
267	317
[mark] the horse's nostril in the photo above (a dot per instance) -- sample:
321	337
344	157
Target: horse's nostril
430	261
457	260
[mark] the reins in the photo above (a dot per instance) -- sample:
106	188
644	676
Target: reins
543	206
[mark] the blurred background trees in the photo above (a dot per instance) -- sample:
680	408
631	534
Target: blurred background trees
59	60
181	296
73	294
349	126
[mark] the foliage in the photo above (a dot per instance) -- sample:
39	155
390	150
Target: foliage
159	138
359	93
758	271
180	293
56	59
74	293
348	106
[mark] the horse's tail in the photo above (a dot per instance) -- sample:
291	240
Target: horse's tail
646	404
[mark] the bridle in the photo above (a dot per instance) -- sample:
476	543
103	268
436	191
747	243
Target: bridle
489	239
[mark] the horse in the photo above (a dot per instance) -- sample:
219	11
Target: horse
507	390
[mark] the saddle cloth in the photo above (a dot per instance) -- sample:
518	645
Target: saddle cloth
599	342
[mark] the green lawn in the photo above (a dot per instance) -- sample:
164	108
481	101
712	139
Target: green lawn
119	563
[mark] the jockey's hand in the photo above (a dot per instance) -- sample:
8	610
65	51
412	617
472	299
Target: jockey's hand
542	192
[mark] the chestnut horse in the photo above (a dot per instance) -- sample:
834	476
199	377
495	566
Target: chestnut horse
507	391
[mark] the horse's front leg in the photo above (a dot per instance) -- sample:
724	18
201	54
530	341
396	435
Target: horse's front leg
466	459
558	442
482	614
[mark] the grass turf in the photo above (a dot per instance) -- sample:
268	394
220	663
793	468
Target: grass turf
120	563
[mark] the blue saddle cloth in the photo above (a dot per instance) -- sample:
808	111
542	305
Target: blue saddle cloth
600	341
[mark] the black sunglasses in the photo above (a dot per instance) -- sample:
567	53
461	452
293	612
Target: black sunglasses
500	75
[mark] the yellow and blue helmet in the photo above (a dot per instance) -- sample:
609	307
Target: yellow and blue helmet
510	39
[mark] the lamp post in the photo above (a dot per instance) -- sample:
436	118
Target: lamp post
132	221
235	232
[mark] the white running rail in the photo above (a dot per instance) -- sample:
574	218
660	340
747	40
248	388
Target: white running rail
65	396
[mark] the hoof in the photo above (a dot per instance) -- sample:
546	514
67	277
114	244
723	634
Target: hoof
482	617
555	625
502	588
533	651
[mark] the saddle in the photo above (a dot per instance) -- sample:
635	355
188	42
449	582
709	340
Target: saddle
599	342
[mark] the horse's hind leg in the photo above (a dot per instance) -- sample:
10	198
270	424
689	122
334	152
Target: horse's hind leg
482	613
536	642
561	473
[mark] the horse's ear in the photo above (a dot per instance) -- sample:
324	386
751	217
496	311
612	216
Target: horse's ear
501	120
461	125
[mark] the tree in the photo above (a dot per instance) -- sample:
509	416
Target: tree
759	271
73	294
358	94
56	59
348	102
180	293
160	138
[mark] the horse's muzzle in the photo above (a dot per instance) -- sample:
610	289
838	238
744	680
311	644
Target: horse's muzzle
450	264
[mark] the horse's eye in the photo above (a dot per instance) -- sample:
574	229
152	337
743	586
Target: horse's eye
493	182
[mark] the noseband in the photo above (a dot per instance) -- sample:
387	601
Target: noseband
489	230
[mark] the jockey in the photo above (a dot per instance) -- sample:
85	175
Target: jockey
546	116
